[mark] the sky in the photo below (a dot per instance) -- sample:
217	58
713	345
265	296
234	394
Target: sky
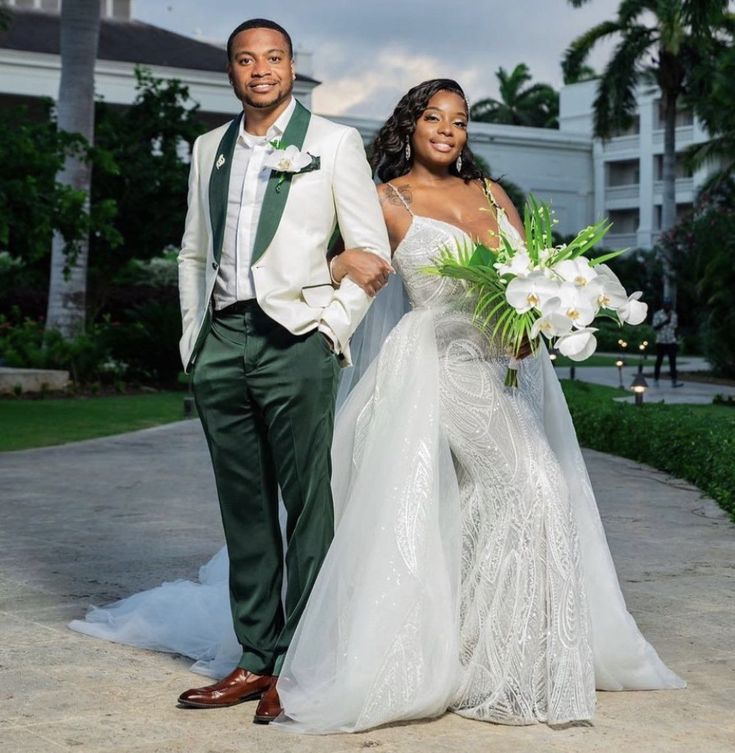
367	54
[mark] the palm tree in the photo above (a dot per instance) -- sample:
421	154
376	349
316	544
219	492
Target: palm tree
80	23
661	41
715	107
535	105
583	73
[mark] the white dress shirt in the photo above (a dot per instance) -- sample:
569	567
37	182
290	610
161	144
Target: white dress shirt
248	181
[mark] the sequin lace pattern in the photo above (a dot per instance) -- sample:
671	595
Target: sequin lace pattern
523	623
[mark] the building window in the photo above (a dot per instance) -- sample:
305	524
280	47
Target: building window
632	130
682	210
51	6
623	173
24	4
625	221
682	170
683	117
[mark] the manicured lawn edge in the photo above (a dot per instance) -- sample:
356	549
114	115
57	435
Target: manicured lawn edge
26	424
692	442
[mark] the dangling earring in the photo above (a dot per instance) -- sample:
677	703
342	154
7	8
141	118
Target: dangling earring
459	164
407	150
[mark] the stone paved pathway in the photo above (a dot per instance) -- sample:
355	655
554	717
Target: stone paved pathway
94	521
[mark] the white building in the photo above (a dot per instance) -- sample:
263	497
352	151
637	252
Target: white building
30	66
627	169
584	178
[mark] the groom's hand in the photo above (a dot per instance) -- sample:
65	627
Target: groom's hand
364	268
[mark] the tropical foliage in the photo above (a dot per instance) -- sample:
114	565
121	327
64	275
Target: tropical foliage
702	249
520	102
661	42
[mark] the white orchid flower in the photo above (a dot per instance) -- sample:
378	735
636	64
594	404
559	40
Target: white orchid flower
613	294
551	324
577	271
579	304
530	292
288	160
633	311
578	345
519	265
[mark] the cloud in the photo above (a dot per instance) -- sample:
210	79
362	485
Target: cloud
377	89
367	54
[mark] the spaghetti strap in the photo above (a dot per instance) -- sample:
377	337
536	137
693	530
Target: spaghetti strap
400	198
488	192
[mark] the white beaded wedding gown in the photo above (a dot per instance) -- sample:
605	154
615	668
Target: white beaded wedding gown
469	569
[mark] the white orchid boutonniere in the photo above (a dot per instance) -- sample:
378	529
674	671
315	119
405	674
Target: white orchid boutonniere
290	161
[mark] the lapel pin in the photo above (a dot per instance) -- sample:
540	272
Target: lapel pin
220	161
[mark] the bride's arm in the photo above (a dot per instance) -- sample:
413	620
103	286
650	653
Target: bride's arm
364	268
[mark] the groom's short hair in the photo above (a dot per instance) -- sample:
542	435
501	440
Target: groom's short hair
259	23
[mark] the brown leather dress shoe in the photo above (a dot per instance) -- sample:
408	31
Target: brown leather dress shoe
269	706
239	686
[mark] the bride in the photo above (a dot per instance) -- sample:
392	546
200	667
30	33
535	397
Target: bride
469	569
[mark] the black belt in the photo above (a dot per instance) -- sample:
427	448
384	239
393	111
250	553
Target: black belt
239	307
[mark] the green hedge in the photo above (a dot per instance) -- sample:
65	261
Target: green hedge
693	442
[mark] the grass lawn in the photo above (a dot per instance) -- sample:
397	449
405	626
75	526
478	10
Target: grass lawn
595	360
693	442
600	359
40	423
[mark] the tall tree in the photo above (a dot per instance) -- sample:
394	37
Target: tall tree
659	40
80	24
713	101
519	104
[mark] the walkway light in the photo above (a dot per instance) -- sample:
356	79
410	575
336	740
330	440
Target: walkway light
639	387
620	363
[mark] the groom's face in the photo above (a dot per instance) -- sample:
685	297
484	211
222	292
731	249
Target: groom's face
261	68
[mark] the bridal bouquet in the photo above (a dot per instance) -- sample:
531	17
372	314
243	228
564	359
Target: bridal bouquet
538	289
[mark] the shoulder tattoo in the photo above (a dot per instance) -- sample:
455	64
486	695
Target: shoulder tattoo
398	196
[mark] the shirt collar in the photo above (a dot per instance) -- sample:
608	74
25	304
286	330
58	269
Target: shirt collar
275	131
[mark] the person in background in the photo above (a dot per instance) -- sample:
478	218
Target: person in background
665	323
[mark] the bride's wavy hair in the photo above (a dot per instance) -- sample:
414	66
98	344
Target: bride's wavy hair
387	153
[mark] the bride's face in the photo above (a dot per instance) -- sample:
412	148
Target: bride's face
441	131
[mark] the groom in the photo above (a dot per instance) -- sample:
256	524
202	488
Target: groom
265	330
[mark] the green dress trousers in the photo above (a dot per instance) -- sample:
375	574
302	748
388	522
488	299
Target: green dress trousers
266	400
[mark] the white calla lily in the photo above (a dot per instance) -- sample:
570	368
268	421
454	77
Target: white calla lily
578	345
530	292
633	311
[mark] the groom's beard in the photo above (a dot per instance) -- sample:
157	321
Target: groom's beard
280	97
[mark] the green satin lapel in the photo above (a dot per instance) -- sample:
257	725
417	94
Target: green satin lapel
219	185
275	197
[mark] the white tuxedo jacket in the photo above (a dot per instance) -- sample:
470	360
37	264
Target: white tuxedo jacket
297	221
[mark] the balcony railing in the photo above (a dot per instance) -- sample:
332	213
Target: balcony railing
621	144
684	136
620	240
617	193
683	186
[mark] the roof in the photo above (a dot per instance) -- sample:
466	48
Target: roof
125	41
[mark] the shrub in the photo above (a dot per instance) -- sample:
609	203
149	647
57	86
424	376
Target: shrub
24	343
696	443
